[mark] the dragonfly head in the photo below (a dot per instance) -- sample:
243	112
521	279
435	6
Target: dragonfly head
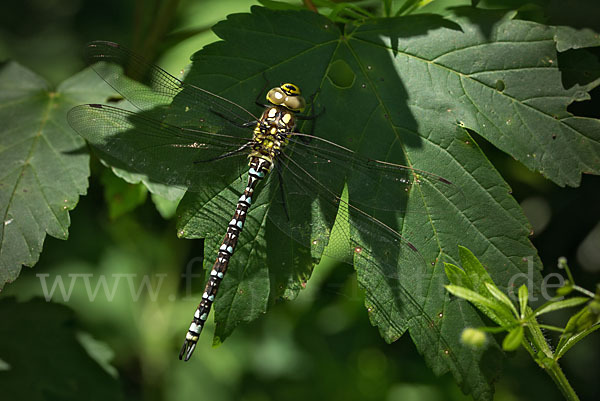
287	95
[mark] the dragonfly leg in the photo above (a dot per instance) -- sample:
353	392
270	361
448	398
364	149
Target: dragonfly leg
261	92
311	116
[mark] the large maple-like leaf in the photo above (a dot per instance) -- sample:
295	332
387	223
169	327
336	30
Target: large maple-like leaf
404	90
400	90
44	164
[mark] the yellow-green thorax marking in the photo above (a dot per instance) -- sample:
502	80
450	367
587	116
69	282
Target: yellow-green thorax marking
277	122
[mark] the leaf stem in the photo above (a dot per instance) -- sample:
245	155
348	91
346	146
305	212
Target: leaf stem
562	264
584	291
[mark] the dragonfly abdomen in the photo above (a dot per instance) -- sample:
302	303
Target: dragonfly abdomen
259	167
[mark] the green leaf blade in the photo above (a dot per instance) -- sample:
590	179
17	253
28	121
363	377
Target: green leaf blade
45	163
557	305
513	339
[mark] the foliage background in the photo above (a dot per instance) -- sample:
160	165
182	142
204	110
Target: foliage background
321	345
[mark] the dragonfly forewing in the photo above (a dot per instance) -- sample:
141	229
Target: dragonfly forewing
167	154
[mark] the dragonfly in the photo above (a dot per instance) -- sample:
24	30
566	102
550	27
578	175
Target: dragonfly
183	135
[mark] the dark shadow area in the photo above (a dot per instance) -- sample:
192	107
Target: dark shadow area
579	66
484	19
413	25
63	369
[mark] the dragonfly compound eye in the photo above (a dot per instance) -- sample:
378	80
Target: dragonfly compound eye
295	103
276	96
290	99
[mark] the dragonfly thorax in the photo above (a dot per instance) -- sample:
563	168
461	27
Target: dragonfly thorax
272	132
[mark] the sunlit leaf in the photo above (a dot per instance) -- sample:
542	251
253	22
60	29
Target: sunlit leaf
44	163
400	90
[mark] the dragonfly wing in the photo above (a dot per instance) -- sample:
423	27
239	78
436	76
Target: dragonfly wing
389	267
308	206
148	86
371	184
167	154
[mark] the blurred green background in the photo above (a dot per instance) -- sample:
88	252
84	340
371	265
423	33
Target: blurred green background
320	346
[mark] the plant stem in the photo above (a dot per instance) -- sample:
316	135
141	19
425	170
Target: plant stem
545	359
561	381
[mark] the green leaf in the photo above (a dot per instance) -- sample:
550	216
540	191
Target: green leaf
584	319
476	274
280	5
475	298
570	340
523	299
478	280
500	296
557	305
456	275
45	164
99	352
419	66
567	37
513	339
121	196
166	207
579	325
168	192
497	311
